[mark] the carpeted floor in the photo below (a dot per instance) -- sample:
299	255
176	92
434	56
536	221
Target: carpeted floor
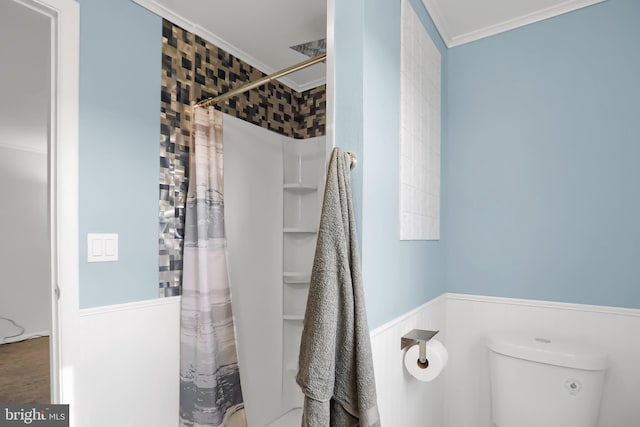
24	371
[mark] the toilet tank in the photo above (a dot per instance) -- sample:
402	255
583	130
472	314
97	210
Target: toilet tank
538	381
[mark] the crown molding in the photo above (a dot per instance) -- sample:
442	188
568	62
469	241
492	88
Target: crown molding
439	20
200	31
308	85
456	40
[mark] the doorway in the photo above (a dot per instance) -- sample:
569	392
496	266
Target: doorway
38	215
25	306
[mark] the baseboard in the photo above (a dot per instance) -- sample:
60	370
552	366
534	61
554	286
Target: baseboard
26	336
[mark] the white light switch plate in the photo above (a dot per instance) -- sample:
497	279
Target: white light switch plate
102	247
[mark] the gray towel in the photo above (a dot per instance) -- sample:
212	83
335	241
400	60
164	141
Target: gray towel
335	365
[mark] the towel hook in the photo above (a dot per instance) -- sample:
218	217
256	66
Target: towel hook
353	159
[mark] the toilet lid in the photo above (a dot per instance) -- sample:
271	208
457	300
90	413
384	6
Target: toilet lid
552	350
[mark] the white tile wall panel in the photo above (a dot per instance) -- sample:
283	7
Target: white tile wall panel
420	105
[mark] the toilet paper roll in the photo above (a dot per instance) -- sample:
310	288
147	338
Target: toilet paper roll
437	358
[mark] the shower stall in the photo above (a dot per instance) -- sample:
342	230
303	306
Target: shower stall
273	196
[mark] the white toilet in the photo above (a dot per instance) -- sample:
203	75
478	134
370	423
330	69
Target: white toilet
537	381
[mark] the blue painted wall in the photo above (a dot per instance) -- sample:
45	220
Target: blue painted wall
119	132
348	92
120	68
540	196
398	276
543	160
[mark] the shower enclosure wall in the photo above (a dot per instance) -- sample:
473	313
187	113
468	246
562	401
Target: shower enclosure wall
273	196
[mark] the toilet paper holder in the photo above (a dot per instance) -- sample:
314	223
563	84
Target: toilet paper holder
420	337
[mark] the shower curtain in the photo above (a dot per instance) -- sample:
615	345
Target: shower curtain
210	392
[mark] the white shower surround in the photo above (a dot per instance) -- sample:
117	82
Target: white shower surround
253	223
273	194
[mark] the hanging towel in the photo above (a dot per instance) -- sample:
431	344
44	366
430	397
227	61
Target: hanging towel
335	364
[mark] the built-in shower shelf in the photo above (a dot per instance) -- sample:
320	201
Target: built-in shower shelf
294	278
304	168
297	230
300	188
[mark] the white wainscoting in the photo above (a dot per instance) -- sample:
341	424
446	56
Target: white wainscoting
126	367
469	319
125	370
403	400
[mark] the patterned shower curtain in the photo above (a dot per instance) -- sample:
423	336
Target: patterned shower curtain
210	392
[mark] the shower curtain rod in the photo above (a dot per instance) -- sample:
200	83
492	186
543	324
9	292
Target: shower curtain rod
252	85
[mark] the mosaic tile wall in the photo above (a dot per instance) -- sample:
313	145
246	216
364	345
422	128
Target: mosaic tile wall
194	69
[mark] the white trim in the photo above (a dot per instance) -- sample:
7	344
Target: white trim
64	17
198	30
500	27
330	76
64	173
312	84
137	305
390	324
63	184
619	311
19	147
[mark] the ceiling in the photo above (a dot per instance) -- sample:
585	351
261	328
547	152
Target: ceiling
261	32
257	32
463	21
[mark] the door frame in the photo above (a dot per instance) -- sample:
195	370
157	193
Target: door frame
64	16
